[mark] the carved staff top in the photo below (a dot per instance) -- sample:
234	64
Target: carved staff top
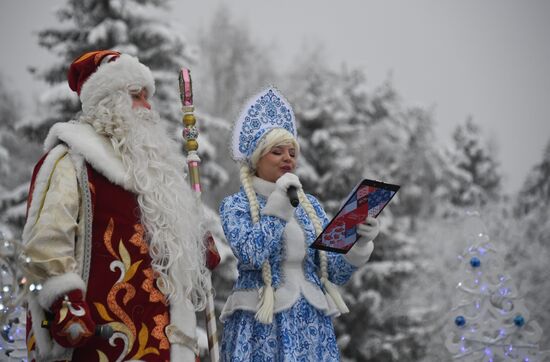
190	132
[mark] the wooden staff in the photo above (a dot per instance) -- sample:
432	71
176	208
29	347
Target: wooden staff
190	134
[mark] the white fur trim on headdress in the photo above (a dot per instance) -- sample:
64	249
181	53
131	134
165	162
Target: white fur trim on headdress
266	110
121	74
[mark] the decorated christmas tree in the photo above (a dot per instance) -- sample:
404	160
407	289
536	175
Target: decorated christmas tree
12	314
489	321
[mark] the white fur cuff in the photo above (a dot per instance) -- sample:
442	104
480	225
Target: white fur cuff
56	286
360	253
278	205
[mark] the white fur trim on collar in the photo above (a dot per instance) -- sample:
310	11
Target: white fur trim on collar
263	187
119	75
97	150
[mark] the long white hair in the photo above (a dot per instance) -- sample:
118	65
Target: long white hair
155	169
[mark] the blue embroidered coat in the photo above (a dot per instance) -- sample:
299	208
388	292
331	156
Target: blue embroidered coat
252	244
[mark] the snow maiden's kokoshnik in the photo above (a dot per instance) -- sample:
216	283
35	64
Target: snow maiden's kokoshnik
284	297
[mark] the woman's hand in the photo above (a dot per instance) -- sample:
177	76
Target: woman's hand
278	203
361	252
369	229
287	180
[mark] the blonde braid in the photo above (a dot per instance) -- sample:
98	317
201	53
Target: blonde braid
330	288
267	296
246	181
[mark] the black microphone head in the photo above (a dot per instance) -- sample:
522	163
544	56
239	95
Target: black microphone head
292	193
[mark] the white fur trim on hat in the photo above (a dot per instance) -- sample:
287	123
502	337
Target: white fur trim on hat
120	74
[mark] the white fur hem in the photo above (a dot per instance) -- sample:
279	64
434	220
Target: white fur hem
55	287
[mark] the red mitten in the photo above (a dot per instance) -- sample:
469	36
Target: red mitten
212	255
72	325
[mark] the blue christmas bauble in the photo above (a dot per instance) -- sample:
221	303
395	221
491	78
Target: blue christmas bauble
519	320
460	321
475	262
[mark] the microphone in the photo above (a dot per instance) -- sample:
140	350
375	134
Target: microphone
292	193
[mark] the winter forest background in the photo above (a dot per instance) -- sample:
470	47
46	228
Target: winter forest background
349	128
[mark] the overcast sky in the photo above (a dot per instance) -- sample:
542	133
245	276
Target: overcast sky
488	59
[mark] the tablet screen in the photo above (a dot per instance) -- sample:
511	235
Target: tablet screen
368	198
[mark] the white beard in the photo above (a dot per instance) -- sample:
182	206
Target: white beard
156	168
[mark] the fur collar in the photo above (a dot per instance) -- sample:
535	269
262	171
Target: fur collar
82	139
263	187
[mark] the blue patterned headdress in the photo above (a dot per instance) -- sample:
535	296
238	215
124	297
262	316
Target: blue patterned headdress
263	112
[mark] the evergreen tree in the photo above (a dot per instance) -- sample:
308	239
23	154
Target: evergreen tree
528	234
534	196
16	158
135	27
8	116
474	173
327	125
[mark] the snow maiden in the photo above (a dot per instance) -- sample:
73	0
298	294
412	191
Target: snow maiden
285	297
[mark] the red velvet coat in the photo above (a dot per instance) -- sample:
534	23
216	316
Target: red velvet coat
121	288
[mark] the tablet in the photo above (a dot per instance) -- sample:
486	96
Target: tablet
368	198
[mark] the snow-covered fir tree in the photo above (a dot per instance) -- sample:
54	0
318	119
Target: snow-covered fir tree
528	233
327	124
9	114
473	172
534	198
16	158
135	27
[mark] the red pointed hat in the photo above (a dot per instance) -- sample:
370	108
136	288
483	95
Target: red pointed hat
94	75
82	67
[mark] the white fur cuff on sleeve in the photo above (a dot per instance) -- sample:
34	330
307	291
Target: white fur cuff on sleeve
55	287
360	253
